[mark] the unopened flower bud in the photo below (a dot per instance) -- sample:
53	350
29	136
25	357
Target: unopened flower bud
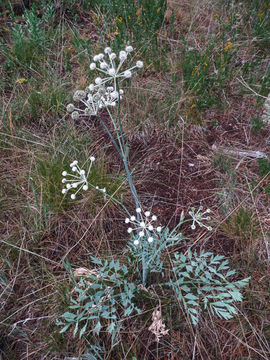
129	49
107	50
75	115
111	72
127	74
70	107
98	80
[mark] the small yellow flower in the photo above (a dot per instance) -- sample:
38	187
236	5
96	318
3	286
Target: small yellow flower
158	10
205	64
116	31
138	11
69	48
228	46
193	106
21	80
260	15
6	29
109	36
129	17
120	20
7	11
216	16
196	67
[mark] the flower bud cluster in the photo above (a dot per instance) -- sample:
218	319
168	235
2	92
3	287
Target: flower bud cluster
144	227
99	95
198	217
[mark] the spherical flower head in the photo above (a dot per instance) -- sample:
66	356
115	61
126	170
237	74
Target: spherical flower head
103	65
96	58
129	49
98	80
127	74
112	56
122	55
75	115
64	173
92	66
136	242
91	87
111	72
92	158
139	64
107	50
114	94
70	107
79	95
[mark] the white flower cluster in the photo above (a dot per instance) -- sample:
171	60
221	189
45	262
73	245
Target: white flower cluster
198	217
99	95
78	181
266	112
144	227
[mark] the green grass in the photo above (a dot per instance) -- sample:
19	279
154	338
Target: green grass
204	83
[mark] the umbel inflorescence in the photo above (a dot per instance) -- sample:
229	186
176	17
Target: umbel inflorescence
105	91
144	227
77	180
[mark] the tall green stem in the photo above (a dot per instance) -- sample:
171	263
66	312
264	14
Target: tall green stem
121	148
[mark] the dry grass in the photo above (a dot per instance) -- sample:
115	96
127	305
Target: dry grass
175	166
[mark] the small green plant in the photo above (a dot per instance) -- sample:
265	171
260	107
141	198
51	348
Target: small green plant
109	293
37	214
241	224
256	124
264	167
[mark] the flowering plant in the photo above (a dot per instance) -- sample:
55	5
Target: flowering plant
194	278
